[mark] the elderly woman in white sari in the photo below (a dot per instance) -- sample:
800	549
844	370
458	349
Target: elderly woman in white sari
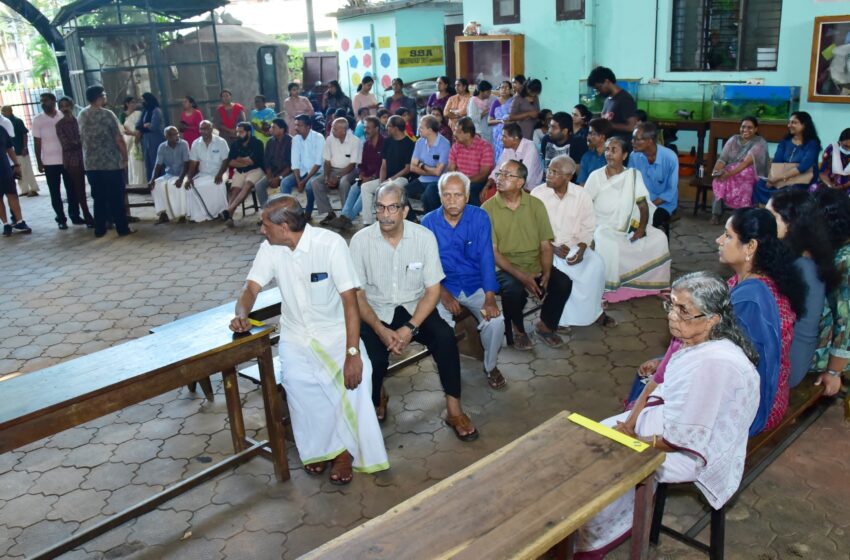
700	416
636	255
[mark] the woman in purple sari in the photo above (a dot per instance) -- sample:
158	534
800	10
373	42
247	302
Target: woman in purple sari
499	111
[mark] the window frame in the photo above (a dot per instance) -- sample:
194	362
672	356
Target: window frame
568	15
499	19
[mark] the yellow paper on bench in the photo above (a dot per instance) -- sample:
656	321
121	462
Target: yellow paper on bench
610	433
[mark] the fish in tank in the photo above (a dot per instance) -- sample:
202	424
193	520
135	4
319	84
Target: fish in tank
768	103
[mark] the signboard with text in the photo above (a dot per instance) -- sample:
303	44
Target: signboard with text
420	56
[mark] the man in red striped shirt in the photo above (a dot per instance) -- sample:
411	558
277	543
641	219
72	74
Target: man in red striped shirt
472	156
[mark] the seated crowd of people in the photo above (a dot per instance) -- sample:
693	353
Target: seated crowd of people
571	210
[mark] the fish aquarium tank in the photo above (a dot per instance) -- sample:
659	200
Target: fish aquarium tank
588	97
676	101
767	103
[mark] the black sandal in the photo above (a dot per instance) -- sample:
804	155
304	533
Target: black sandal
315	469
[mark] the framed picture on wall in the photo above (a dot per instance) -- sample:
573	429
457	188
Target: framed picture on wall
829	75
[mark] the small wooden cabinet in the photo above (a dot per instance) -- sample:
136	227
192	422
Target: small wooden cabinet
489	57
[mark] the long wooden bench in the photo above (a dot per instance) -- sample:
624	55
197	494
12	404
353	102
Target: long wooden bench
46	402
517	502
806	404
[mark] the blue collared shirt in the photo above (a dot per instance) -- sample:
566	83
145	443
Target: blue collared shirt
432	155
307	152
590	162
661	178
466	250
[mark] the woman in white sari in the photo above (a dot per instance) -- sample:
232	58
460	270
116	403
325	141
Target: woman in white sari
636	255
700	416
135	161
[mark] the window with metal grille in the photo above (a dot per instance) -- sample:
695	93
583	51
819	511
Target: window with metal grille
569	9
725	35
505	11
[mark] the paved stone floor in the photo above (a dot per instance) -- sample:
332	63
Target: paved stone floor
67	294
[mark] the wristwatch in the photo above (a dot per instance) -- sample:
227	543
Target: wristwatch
833	373
414	330
353	351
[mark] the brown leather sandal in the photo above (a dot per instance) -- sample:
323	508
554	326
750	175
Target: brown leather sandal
381	409
341	471
462	422
496	379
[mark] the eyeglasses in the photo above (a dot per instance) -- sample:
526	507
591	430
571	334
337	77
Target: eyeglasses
500	174
391	209
680	311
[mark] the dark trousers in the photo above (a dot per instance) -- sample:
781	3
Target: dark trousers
107	189
475	192
514	298
661	220
434	333
55	174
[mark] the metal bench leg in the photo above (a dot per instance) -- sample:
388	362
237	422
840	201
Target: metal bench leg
718	533
658	512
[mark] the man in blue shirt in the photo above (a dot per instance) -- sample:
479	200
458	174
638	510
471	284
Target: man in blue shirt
306	159
594	157
430	160
659	167
465	241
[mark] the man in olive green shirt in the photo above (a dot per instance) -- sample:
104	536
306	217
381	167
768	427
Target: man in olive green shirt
522	243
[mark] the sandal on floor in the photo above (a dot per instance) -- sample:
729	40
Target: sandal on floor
315	469
341	472
462	422
606	320
495	379
381	409
551	339
522	342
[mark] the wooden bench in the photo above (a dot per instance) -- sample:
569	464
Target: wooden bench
517	502
805	405
266	306
46	402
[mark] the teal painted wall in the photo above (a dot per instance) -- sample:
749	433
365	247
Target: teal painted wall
401	28
624	39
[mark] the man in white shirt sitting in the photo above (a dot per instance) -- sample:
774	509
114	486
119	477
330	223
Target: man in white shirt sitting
324	367
341	154
207	196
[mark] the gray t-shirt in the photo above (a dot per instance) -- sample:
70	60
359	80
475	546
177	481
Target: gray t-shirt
99	129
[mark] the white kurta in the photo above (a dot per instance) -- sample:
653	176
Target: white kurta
168	198
710	397
327	418
643	264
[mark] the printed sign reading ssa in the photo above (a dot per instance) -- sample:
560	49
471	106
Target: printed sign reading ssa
420	56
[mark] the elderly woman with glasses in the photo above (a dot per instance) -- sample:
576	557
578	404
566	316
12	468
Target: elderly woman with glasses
636	255
711	382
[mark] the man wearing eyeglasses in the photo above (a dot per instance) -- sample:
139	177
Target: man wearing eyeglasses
465	240
522	246
398	264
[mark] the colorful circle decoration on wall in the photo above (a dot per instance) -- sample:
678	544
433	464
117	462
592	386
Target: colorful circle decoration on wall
353	62
367	60
355	79
345	45
385	60
386	81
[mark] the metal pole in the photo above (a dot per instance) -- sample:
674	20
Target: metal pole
311	28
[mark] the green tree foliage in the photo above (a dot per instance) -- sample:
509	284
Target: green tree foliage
296	58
